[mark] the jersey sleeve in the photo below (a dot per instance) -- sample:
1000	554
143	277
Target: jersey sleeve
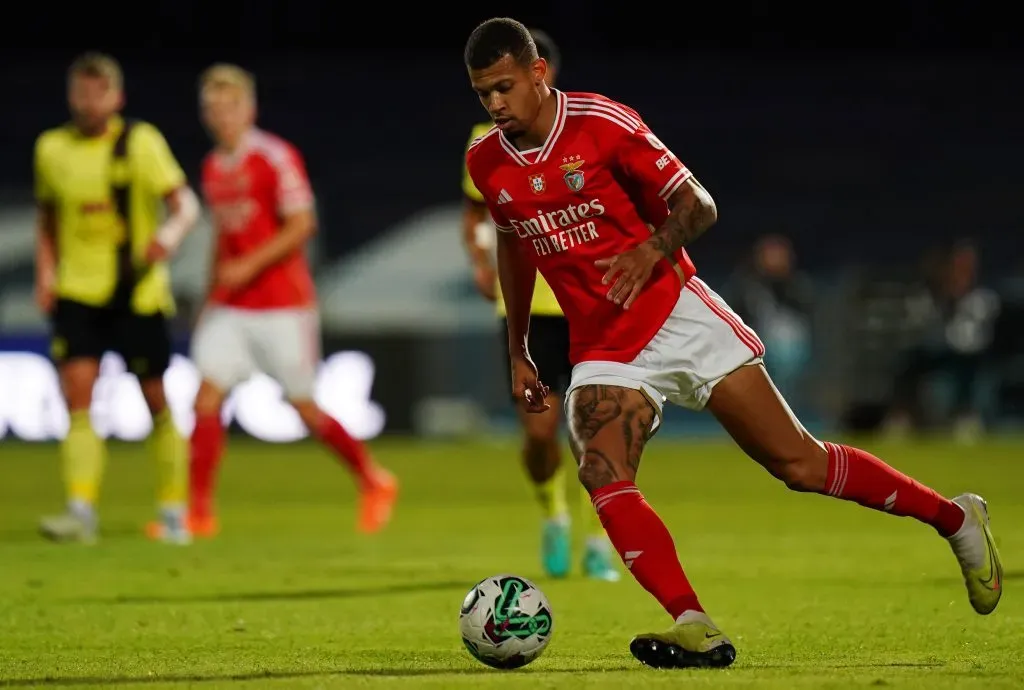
472	173
292	189
645	159
159	170
44	191
500	221
206	172
468	188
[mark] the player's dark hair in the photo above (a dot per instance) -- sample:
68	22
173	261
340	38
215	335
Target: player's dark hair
96	65
496	38
546	48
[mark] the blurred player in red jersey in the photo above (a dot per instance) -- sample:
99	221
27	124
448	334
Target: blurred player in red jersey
262	311
587	195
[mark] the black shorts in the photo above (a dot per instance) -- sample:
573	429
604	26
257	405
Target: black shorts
81	330
549	347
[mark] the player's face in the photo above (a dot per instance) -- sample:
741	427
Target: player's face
93	101
511	93
228	113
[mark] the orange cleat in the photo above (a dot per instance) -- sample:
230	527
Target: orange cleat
377	502
155	530
169	530
203	526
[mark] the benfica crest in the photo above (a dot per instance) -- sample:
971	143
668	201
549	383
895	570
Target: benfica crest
537	183
573	175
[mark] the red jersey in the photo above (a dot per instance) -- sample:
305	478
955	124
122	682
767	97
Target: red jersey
598	187
249	192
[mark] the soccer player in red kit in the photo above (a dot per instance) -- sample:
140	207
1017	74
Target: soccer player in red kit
262	312
586	194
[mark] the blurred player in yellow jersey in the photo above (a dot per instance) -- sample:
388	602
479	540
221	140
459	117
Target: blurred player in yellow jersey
549	346
113	207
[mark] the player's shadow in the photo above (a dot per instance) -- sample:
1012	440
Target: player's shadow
293	595
1007	575
114	681
111	533
840	666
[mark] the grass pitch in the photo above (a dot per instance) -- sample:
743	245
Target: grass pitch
815	593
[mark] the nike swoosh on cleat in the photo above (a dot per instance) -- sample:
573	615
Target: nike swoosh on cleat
709	635
992	582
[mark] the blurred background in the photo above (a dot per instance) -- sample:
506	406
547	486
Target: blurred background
866	166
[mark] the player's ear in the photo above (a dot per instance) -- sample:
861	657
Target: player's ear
540	70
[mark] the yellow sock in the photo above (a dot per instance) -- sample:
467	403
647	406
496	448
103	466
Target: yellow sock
167	448
595	530
551	496
83	457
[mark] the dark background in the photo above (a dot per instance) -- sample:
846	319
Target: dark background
865	134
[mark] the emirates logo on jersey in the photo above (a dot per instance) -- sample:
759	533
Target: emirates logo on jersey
561	230
234	217
537	183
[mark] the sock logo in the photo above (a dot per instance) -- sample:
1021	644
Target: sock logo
629	556
890	502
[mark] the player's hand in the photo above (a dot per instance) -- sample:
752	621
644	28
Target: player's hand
628	272
235	274
526	386
485	278
155	253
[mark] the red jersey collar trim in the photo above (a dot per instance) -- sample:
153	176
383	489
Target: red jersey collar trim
549	143
245	145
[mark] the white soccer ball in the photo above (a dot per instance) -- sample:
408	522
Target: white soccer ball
505	621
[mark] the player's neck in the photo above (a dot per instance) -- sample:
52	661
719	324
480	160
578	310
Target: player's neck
537	134
94	132
236	144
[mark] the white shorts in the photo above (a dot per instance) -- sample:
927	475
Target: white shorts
230	345
702	341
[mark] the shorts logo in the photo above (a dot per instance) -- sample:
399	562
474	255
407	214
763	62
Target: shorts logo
58	348
573	175
537	183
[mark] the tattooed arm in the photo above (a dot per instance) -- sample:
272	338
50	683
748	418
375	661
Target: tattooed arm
693	212
643	158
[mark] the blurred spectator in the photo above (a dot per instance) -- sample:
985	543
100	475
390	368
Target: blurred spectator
777	301
1008	348
956	319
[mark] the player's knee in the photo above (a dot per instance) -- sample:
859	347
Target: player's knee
597	470
154	394
309	412
208	400
803	468
78	377
537	454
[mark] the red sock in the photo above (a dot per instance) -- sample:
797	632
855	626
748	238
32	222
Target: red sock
207	448
645	545
352	451
858	476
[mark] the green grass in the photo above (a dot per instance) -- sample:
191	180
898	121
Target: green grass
814	592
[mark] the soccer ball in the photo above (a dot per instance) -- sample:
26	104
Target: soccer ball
505	621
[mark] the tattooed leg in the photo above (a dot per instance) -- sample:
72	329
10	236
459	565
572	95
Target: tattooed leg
608	429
